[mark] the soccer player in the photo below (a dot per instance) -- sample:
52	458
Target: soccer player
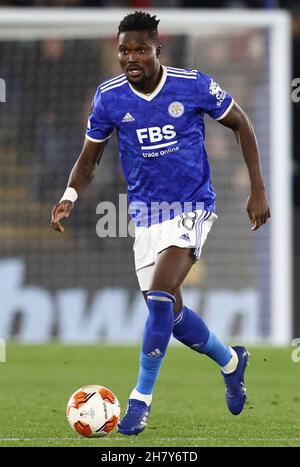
158	113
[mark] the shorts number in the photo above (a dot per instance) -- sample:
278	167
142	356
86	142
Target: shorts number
188	220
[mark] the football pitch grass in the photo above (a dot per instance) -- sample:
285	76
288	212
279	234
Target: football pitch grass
188	409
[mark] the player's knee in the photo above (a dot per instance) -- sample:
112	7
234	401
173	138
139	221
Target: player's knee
170	288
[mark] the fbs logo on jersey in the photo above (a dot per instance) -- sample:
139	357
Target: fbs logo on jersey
155	134
128	118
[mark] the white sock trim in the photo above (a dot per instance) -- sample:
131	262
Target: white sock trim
232	364
147	398
158	298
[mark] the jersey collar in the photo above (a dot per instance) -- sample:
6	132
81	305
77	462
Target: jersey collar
149	97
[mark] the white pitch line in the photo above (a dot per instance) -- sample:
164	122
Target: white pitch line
157	439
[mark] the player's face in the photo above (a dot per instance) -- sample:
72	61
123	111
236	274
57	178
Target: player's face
138	56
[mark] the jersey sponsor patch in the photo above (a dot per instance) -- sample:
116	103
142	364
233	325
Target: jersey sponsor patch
216	90
155	134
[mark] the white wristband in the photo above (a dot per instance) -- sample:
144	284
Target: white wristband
69	195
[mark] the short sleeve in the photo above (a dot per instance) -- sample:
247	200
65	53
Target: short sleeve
212	99
99	127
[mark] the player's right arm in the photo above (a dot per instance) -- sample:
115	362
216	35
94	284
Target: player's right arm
80	178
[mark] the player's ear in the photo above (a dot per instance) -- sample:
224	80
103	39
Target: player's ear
158	49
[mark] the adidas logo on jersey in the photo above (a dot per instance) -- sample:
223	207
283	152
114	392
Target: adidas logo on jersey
128	118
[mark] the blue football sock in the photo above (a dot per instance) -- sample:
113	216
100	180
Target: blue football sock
157	333
191	330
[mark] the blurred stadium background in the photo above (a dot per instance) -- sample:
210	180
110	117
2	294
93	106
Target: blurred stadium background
55	287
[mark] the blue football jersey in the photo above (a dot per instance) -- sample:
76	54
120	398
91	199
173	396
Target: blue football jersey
161	136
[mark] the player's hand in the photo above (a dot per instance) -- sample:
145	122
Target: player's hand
258	209
60	211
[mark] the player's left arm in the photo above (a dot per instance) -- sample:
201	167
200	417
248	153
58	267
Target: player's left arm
257	204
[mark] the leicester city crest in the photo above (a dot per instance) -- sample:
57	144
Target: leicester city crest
176	109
